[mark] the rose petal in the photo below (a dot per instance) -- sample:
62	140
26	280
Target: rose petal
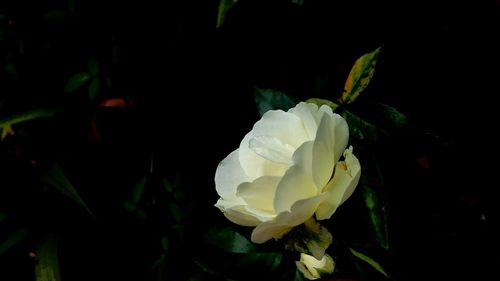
295	185
286	127
272	149
242	214
310	116
229	175
260	193
303	157
342	185
277	227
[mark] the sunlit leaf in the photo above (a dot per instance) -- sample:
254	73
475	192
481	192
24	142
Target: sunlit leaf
360	76
268	99
224	7
93	66
76	81
47	265
320	102
55	177
16	237
94	87
369	260
229	240
6	123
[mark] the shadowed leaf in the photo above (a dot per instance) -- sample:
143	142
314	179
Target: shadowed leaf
224	7
6	123
94	87
231	241
55	177
370	261
13	239
267	99
76	81
93	66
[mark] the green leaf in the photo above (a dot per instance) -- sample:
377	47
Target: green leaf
230	241
267	99
370	261
164	243
394	116
47	266
360	76
176	211
224	7
93	66
16	237
373	189
54	15
360	128
56	178
94	87
137	192
320	102
76	81
9	121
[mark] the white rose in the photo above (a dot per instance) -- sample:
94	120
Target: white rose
313	268
286	170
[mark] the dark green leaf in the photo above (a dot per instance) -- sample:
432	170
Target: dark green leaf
394	116
13	239
54	15
360	128
94	87
56	178
164	243
93	66
267	99
360	76
169	187
320	102
47	266
369	261
76	81
224	7
176	211
229	240
137	191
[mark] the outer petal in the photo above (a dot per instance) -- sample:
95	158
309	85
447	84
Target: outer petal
242	214
342	185
303	157
260	193
330	141
276	228
295	185
229	175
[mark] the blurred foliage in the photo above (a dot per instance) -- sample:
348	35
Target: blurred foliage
114	115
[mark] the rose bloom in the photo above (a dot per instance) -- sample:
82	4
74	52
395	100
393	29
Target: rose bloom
286	170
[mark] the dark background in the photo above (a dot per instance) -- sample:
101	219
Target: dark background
190	92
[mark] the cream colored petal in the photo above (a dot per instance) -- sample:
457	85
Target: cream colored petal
285	221
295	185
342	185
323	152
272	149
302	157
284	126
242	214
229	175
310	116
260	193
